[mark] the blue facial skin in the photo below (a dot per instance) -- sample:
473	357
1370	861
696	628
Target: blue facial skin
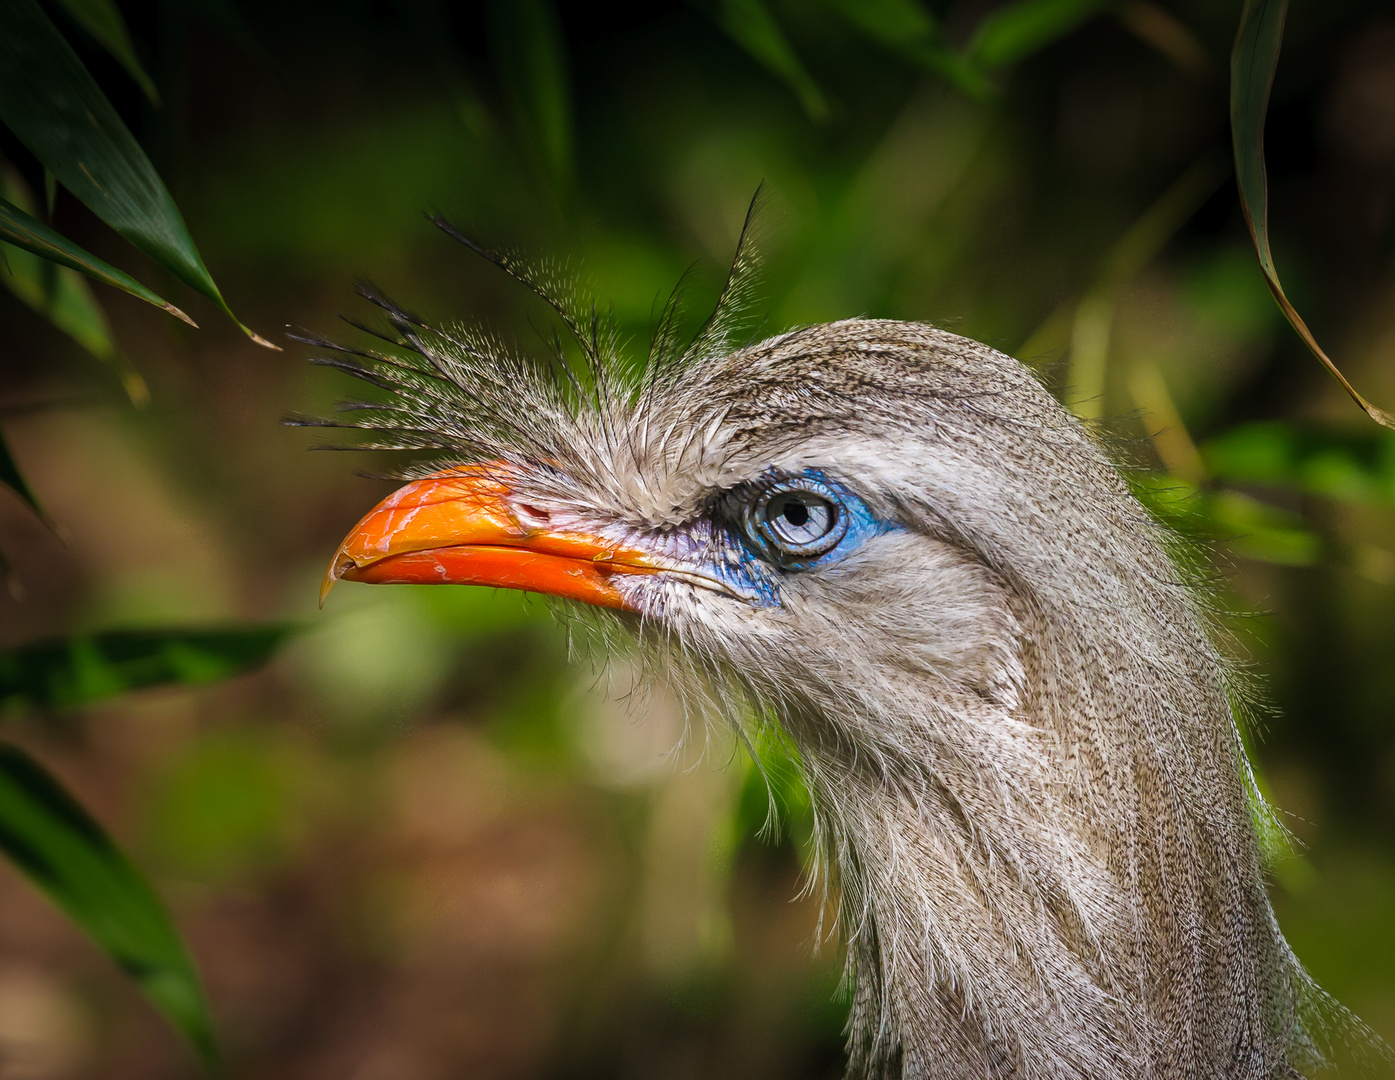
746	562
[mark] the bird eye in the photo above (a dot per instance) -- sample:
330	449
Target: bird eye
799	520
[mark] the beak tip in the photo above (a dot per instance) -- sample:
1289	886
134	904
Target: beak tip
332	575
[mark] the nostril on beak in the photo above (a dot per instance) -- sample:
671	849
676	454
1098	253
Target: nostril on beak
535	515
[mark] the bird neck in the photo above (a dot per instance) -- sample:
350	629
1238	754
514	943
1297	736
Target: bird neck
1063	882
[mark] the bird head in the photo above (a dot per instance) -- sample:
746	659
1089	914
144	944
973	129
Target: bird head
770	510
895	545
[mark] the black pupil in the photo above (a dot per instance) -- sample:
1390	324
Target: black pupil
796	513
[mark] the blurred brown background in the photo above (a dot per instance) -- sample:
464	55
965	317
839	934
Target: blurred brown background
421	844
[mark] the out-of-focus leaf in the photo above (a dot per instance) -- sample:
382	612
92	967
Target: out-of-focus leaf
1016	30
102	19
80	670
1252	65
69	857
903	23
1256	530
1246	526
1166	33
531	50
750	24
1165	425
221	806
1354	467
39	274
1133	251
13	479
1263	453
908	28
52	104
18	228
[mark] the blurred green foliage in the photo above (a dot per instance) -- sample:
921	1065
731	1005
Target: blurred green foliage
88	668
68	855
54	106
424	842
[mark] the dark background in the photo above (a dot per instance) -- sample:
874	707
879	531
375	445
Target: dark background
421	844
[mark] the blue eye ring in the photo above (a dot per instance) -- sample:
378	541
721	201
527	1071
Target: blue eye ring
796	520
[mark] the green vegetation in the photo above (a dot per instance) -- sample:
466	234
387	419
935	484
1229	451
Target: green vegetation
410	807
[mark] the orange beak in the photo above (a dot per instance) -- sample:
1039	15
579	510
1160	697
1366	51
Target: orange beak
457	528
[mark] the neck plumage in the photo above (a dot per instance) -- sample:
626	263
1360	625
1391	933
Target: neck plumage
1051	870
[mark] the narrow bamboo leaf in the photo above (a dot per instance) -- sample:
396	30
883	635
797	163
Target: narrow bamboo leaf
62	296
52	104
903	23
1016	30
750	24
87	668
1166	33
909	29
68	857
18	228
531	50
102	19
55	291
13	479
1252	65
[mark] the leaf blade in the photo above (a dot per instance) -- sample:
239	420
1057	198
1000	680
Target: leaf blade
13	479
68	673
750	24
67	855
56	291
531	49
909	29
1253	62
51	102
102	19
18	228
1016	30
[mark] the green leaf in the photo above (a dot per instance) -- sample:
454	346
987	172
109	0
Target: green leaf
102	19
52	104
87	668
901	23
68	856
1248	527
13	479
41	272
531	51
750	24
906	27
1256	530
62	297
1015	31
22	230
1354	466
1252	65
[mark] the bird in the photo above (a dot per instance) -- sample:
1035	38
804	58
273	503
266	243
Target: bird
893	548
